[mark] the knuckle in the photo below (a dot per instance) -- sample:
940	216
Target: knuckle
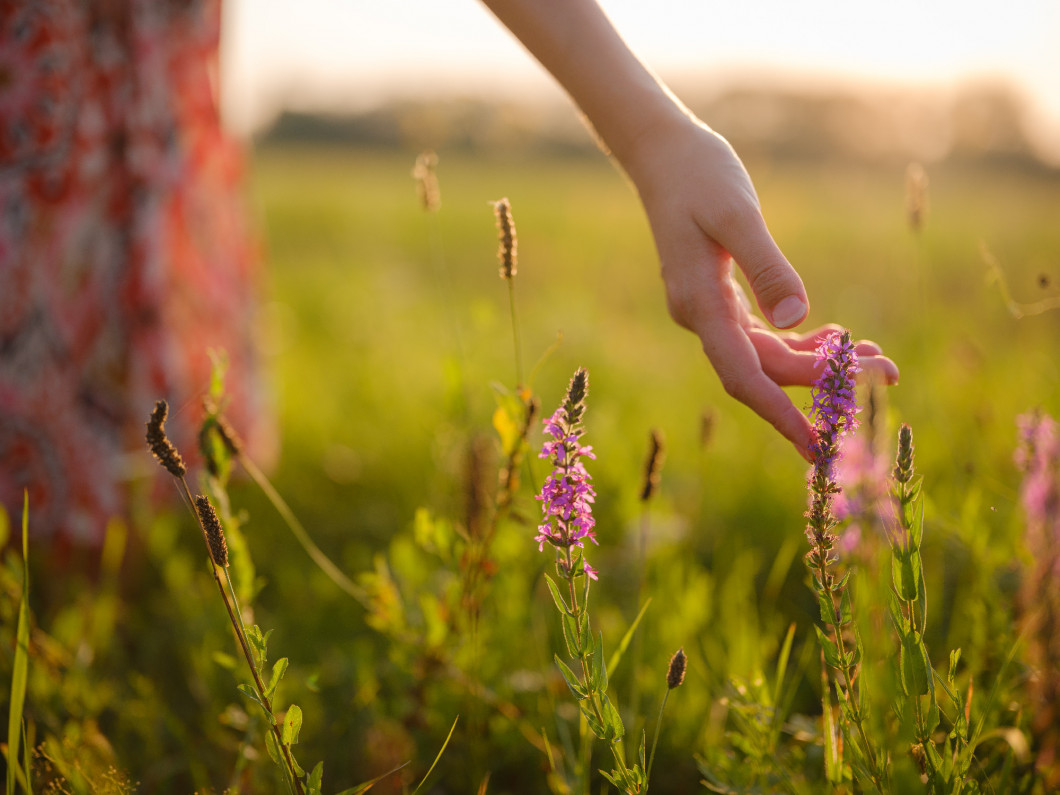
770	280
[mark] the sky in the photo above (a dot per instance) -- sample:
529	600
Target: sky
348	54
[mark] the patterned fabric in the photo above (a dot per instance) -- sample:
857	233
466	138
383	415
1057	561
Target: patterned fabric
124	254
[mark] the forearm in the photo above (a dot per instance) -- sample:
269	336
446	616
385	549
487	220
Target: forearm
576	43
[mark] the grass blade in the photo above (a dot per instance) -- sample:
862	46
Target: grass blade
440	752
616	658
21	667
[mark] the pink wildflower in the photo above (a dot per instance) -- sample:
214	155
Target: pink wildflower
567	496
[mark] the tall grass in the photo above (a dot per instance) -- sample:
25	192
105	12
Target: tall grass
413	493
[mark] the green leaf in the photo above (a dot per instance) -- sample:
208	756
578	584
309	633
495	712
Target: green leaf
598	668
252	694
898	618
824	604
613	725
570	635
557	597
20	671
905	573
921	599
615	777
259	644
831	653
573	682
955	657
278	670
316	779
274	749
914	666
931	722
916	524
595	726
846	611
292	724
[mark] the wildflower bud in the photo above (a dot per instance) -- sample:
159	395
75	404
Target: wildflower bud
509	245
903	470
652	465
675	676
577	391
215	535
427	181
160	445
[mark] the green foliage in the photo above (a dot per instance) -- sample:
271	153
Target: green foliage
133	670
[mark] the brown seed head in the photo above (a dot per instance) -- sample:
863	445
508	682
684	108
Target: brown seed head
215	534
675	676
160	445
653	464
507	253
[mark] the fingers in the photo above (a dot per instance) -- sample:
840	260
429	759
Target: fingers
809	340
789	366
776	285
736	361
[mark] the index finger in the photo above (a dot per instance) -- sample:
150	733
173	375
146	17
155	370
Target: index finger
736	362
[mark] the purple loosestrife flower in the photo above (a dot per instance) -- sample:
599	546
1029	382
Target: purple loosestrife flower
861	475
568	495
833	413
1039	457
834	397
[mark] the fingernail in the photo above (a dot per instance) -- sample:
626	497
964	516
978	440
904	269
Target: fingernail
789	312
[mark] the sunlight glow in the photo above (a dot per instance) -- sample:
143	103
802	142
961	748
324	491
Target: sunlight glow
324	54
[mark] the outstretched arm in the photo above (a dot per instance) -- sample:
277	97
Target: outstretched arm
701	205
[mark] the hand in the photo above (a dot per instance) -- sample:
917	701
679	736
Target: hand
704	214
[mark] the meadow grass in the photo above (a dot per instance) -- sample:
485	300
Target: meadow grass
382	379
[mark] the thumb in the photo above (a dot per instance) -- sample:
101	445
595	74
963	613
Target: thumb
776	285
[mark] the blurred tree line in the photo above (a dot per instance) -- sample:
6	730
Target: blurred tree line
977	121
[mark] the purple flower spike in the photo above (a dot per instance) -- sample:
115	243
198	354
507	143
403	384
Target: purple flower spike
835	405
834	412
568	495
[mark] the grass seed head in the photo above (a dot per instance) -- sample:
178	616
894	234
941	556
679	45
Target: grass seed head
507	253
215	534
653	464
160	445
675	674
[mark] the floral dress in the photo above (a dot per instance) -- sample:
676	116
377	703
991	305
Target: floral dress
124	253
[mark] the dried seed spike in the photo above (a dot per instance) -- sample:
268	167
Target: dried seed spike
160	445
215	534
675	675
507	253
653	464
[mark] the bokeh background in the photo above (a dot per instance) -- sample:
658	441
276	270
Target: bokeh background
387	336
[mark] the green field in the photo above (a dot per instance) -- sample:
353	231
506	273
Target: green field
385	330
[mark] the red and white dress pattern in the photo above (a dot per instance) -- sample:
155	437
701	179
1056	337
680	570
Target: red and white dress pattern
124	252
